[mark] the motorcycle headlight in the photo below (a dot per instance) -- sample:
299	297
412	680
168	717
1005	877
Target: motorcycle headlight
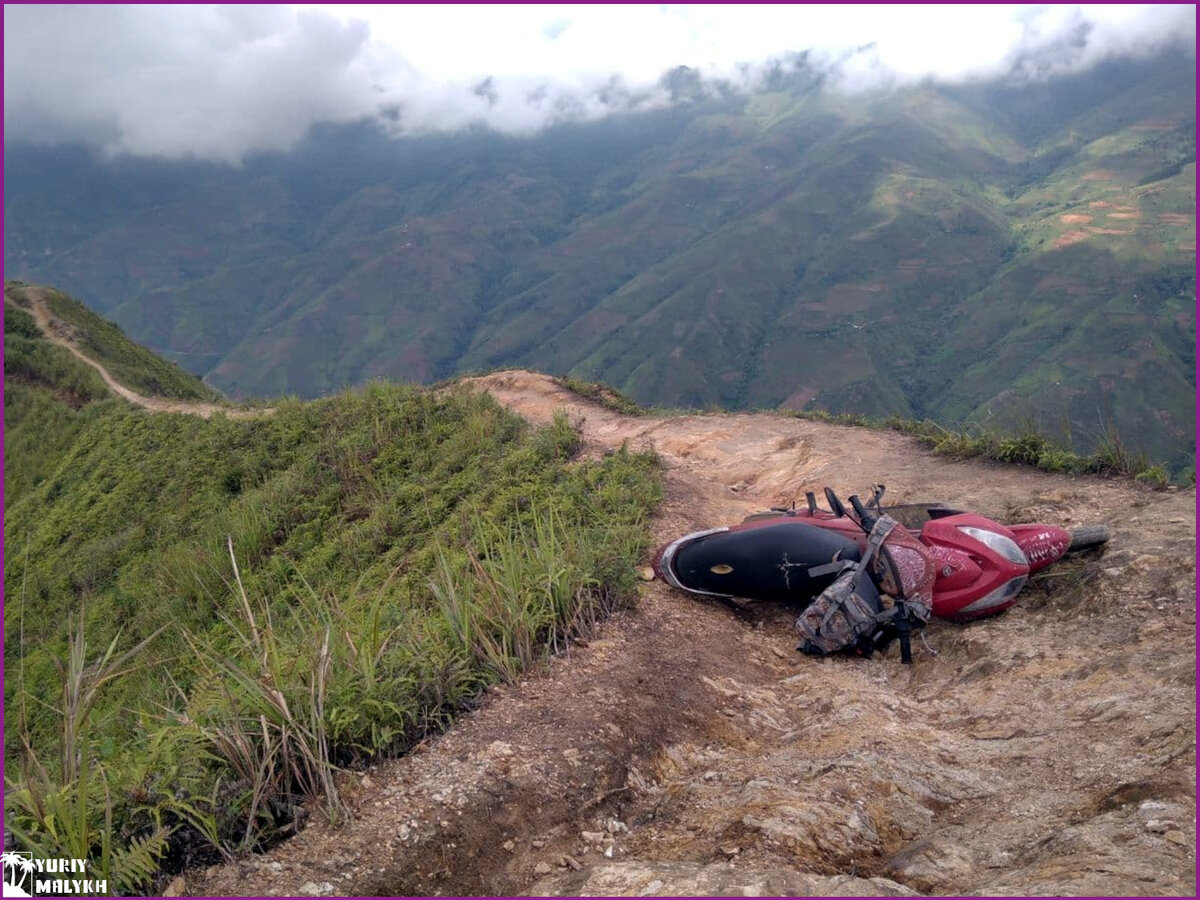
1006	547
998	597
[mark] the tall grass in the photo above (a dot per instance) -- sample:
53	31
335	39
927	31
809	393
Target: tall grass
1030	447
69	813
604	395
520	591
268	724
317	588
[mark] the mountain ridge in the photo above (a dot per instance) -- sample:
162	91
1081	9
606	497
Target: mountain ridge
721	253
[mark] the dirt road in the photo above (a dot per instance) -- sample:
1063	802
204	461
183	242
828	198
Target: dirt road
688	749
58	332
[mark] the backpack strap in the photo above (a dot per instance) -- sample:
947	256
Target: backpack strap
837	567
883	527
879	533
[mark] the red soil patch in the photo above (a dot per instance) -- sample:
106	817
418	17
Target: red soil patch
1095	230
1125	215
799	398
1175	219
603	320
1071	237
849	298
1099	175
1155	125
413	362
1072	218
1060	283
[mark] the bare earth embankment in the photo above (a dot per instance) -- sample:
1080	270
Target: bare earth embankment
688	749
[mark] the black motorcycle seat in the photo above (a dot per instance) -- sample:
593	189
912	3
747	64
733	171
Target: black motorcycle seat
767	562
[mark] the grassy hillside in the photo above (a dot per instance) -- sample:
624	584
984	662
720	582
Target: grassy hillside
278	596
129	363
988	254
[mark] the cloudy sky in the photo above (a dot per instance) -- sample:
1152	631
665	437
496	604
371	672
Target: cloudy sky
219	82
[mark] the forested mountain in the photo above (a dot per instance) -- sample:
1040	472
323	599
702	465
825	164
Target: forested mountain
993	253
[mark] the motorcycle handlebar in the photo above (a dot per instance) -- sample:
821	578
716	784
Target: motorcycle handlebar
867	520
834	503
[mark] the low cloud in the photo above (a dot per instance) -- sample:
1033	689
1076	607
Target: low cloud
218	83
180	81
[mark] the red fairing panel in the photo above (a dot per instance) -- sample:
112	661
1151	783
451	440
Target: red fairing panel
1041	544
955	569
1002	571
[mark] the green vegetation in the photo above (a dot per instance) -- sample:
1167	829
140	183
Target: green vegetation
820	415
278	597
608	397
1032	448
130	364
49	395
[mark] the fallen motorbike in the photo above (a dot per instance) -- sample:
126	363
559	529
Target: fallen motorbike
978	566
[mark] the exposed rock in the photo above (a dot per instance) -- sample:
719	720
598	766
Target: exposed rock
313	889
638	879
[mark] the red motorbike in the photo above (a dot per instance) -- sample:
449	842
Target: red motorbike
791	555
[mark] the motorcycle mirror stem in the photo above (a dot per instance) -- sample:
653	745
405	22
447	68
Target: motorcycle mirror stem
834	503
865	519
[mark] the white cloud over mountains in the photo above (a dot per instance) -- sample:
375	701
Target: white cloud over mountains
219	82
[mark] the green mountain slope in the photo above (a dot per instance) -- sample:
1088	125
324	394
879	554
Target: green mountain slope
130	364
396	550
986	254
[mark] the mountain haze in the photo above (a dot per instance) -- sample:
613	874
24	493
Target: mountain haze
999	254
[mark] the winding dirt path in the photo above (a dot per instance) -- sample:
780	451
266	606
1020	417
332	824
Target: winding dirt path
687	749
58	332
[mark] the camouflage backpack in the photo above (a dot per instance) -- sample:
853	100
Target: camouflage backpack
851	614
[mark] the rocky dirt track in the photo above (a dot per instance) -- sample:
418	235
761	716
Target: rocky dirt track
688	749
